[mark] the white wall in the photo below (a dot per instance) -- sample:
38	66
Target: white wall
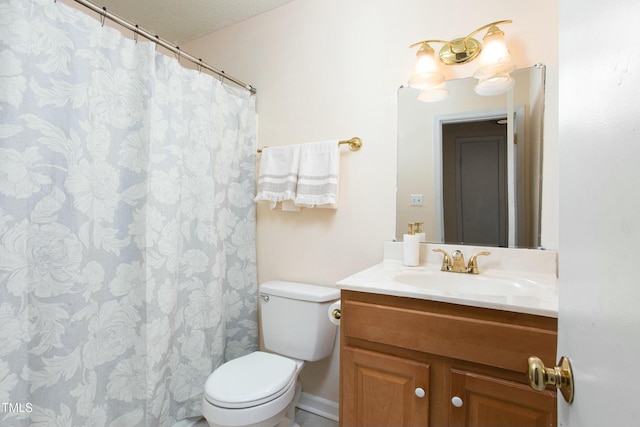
331	69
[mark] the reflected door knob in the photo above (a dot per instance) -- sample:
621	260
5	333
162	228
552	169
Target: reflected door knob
560	376
420	392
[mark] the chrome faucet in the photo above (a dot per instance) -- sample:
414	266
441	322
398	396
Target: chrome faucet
456	263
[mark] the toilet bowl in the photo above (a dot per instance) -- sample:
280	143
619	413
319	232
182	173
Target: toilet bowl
255	390
261	389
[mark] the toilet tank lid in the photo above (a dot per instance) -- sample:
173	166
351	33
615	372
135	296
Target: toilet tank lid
300	291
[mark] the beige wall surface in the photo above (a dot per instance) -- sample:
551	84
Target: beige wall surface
331	69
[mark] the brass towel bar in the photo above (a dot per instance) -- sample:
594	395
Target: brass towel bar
355	144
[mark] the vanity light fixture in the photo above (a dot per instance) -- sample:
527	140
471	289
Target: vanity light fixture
493	74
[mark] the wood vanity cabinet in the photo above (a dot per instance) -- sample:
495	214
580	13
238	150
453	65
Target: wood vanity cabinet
413	362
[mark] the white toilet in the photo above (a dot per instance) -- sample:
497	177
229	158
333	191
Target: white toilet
261	389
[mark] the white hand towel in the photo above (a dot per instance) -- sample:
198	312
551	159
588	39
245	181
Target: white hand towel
278	176
318	175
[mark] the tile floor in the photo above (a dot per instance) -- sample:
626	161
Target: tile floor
307	419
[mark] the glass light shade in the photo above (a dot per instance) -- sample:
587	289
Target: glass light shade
495	65
494	85
434	94
426	74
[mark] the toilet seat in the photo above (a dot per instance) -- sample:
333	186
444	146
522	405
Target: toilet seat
250	380
267	414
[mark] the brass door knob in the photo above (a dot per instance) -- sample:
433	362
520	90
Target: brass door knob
561	376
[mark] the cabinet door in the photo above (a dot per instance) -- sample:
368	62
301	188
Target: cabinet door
382	390
491	402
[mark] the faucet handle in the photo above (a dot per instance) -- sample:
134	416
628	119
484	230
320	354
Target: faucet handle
472	267
446	260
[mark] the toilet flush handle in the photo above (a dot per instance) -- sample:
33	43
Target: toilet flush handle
265	297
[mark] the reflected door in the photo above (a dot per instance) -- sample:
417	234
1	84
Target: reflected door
475	201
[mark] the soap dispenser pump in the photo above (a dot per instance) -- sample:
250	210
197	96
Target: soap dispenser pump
411	247
422	236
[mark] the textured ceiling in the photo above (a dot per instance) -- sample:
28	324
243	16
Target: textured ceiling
179	21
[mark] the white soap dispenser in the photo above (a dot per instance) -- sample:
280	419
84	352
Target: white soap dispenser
411	247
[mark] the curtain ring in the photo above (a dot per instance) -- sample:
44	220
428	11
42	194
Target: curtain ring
199	65
103	15
157	38
177	54
221	74
135	34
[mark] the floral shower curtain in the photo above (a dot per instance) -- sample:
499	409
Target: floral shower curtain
127	227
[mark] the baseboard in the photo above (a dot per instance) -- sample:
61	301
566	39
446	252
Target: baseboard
318	405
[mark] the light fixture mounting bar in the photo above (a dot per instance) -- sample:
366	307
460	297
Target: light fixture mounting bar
429	41
461	50
506	21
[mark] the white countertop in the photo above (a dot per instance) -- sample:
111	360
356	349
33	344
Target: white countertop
541	299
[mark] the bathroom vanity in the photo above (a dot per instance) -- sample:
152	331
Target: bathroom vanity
412	355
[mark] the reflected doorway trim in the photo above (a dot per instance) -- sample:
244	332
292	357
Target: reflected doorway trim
512	169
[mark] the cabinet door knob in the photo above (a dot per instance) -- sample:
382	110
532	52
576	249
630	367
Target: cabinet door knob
420	392
456	401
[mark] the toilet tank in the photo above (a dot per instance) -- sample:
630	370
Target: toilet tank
295	320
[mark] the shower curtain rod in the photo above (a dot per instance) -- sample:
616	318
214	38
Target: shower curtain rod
154	38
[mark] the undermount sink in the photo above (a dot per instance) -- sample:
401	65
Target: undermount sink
468	284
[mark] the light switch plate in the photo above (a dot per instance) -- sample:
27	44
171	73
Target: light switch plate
416	200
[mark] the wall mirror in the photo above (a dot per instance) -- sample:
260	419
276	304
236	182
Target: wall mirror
470	166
